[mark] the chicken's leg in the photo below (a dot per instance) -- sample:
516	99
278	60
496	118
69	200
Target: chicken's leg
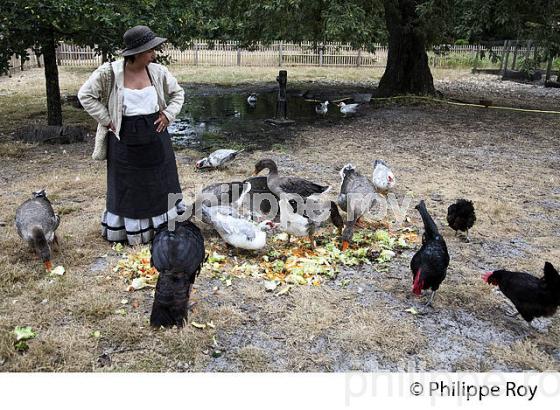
429	303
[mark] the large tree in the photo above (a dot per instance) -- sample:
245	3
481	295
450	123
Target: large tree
41	24
410	26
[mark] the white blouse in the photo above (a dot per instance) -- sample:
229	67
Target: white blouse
140	102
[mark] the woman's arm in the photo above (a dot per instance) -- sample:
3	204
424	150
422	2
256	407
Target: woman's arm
175	93
93	90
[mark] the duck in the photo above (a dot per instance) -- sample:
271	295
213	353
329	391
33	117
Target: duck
224	193
178	256
382	177
288	185
234	228
223	198
252	99
218	158
357	196
294	223
322	108
238	232
36	224
348	108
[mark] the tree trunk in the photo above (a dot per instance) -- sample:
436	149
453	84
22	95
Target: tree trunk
54	106
407	71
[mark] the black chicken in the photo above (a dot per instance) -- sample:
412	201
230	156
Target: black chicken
429	264
461	216
178	256
531	296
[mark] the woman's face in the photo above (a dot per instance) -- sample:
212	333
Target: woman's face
147	57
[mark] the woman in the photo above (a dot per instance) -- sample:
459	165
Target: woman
128	100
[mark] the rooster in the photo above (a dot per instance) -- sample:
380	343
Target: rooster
531	296
178	256
461	216
429	264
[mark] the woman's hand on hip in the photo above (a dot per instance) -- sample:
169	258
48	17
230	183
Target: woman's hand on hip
162	122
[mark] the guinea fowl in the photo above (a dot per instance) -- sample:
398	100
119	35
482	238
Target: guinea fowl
357	196
461	216
218	158
532	297
36	224
429	264
382	177
287	185
178	256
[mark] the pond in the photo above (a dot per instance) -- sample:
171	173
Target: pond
221	117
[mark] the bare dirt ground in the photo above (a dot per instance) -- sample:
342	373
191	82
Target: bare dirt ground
506	162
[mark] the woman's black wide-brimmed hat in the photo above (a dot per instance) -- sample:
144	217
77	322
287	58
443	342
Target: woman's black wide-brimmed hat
139	39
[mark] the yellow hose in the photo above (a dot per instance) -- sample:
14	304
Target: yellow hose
495	107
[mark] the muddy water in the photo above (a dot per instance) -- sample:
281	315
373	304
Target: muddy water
215	117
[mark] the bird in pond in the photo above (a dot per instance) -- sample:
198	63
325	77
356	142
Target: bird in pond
322	108
252	99
348	108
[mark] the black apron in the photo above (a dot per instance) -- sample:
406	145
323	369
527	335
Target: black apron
141	169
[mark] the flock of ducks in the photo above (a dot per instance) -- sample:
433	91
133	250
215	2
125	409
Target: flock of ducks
241	231
322	108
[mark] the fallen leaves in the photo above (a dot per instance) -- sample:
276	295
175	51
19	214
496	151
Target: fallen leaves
23	334
203	326
57	271
135	267
294	264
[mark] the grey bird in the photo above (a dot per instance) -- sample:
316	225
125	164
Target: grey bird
357	196
218	158
36	224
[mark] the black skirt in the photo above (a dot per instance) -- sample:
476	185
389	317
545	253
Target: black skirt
141	169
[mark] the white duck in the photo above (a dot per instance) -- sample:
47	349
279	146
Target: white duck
348	108
294	223
252	99
383	178
234	229
238	232
322	108
218	158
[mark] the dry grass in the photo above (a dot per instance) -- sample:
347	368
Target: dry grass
524	354
377	329
253	359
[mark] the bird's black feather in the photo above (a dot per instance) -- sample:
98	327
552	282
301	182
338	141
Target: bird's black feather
461	215
429	264
531	296
178	256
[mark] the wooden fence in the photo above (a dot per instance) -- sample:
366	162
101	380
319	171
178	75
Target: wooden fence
279	54
205	53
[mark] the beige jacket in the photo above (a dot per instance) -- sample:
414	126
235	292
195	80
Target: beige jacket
106	108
